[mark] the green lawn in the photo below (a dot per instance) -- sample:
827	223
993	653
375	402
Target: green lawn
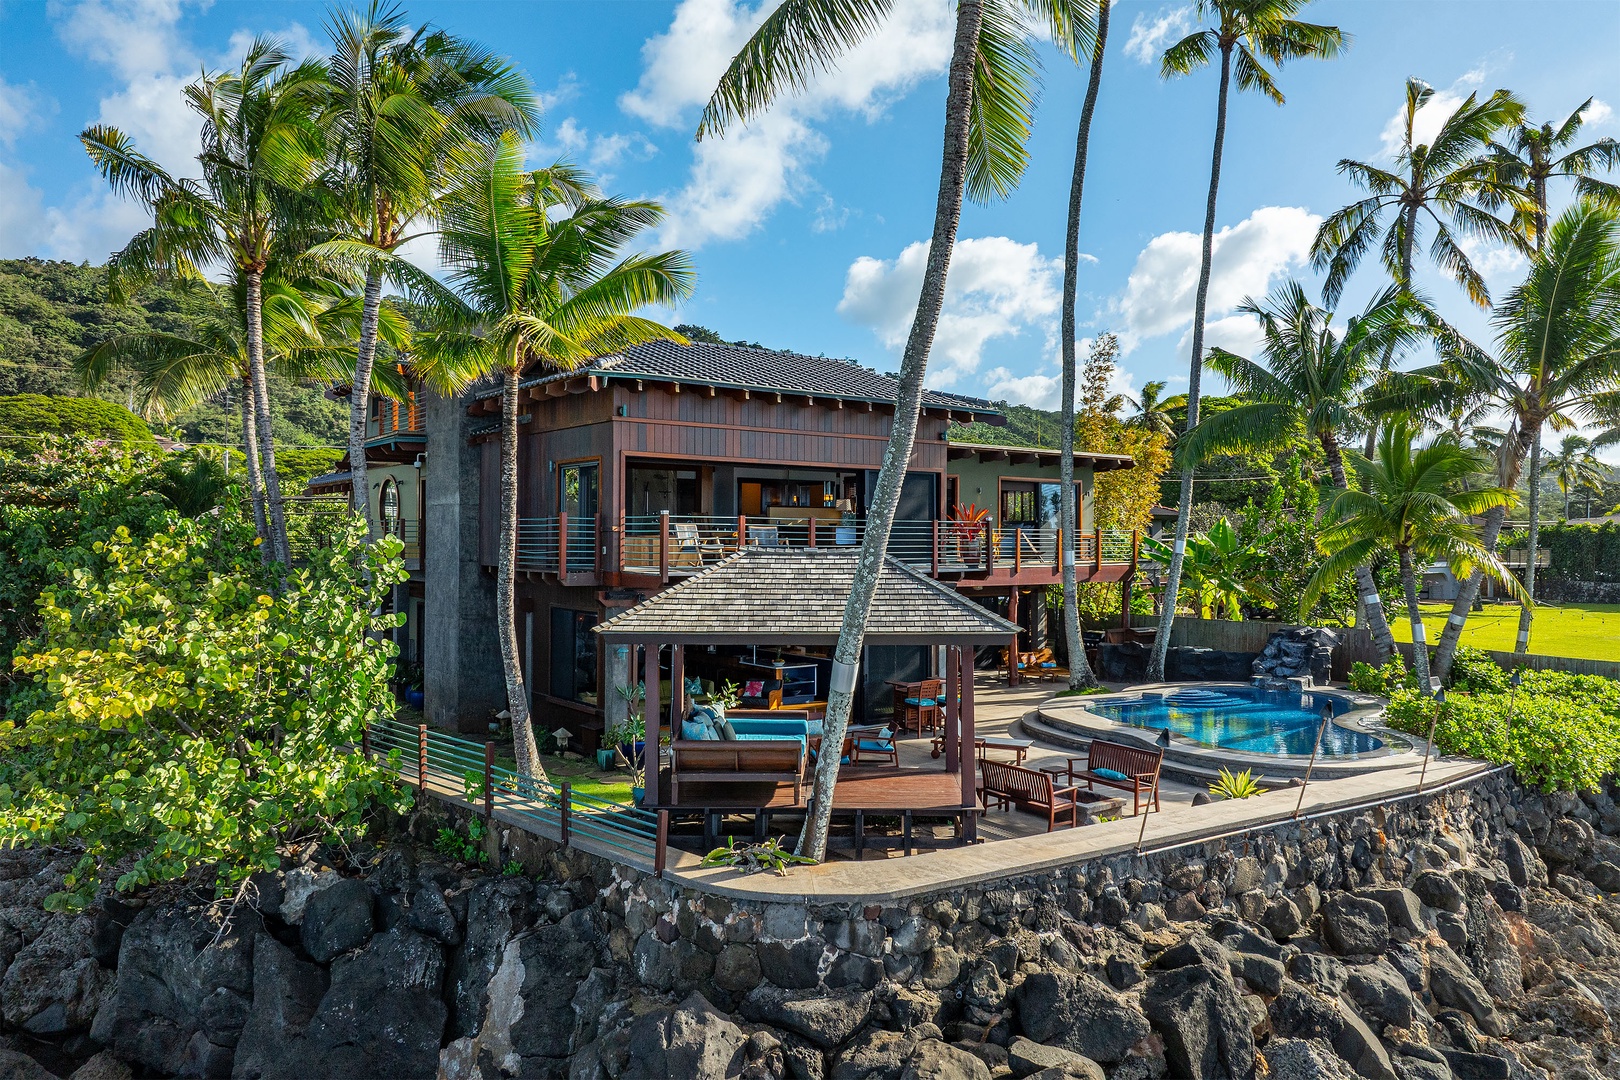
586	779
1584	632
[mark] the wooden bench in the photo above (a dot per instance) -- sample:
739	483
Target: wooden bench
738	761
1140	766
1027	789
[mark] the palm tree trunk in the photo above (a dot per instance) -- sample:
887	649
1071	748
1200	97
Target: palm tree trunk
250	446
261	405
1509	460
517	698
1080	673
1172	584
1366	587
360	401
1521	644
913	366
1420	647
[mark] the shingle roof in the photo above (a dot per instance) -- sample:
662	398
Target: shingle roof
741	368
796	596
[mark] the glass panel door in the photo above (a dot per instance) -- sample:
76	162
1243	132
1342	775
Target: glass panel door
577	490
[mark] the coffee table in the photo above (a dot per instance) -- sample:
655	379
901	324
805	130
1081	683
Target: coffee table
1019	748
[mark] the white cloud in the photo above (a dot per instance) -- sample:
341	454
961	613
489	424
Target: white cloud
1235	333
1150	35
996	288
21	214
1159	294
1039	391
1599	113
22	107
1433	115
1494	261
92	227
134	38
736	181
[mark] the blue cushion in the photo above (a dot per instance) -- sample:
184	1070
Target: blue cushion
694	687
913	701
697	731
813	727
725	731
708	714
1048	663
1111	774
873	745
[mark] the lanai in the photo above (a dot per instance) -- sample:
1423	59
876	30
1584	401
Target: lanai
796	596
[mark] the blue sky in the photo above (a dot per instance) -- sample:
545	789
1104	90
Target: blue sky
807	225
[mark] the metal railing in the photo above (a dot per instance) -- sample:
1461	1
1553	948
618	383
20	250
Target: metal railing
539	550
428	756
675	545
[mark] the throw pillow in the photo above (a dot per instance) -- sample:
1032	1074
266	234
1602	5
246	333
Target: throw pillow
694	687
1111	774
694	730
726	732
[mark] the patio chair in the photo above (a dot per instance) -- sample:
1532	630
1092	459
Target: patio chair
692	548
874	743
764	536
921	710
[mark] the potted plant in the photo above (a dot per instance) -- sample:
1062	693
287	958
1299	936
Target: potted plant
726	697
629	735
638	774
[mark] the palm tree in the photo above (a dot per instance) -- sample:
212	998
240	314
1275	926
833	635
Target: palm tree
1245	34
1411	501
1558	353
1312	380
1523	164
260	147
1575	466
396	104
990	98
537	279
305	337
1151	414
1080	673
1448	182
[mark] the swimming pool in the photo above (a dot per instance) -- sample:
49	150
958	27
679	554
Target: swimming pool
1245	719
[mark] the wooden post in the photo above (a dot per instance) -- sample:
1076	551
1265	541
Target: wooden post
624	533
661	844
652	712
812	540
953	706
935	560
677	687
663	546
742	531
1096	552
421	757
1057	554
489	781
1018	549
1012	653
566	795
970	769
988	555
562	545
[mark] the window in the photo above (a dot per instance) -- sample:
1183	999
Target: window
388	507
573	655
1019	504
577	491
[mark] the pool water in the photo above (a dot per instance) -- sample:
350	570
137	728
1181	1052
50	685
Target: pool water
1245	719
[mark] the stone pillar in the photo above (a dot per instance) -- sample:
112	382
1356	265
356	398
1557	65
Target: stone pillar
461	658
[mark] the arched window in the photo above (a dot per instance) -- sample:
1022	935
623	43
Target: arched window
388	507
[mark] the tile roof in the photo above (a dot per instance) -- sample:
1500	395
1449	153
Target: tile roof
1101	462
797	596
742	368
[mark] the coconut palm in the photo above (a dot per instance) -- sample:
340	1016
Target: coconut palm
1412	502
1080	674
260	148
1311	380
537	279
1245	35
991	88
1575	466
1557	356
1447	183
1151	414
397	102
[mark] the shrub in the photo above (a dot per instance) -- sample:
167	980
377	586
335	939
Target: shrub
1560	732
1383	681
91	418
1474	670
190	710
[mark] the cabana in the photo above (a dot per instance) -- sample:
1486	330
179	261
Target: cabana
774	597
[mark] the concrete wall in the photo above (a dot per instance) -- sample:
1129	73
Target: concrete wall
462	662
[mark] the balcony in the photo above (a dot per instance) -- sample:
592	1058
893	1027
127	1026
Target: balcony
574	561
666	546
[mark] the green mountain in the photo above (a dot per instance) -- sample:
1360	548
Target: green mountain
50	312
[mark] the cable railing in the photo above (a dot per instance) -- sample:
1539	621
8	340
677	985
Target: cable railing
676	545
429	758
557	545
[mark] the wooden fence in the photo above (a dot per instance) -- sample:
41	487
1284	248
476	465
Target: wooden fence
1355	644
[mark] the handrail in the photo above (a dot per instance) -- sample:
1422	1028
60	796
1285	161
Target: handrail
539	550
428	756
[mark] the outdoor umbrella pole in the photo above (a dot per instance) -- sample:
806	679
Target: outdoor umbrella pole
1428	744
1327	715
1163	741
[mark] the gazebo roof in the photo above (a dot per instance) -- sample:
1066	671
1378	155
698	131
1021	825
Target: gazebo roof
770	596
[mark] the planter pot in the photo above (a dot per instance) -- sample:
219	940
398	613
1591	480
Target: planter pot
632	754
604	759
414	698
637	794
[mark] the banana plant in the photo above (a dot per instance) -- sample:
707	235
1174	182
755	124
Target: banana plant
1220	568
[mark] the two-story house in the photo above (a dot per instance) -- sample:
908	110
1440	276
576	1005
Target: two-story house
641	468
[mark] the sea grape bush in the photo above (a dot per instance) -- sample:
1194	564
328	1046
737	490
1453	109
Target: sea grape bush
1560	732
192	709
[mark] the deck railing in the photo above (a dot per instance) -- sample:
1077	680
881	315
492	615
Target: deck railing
539	550
434	760
676	545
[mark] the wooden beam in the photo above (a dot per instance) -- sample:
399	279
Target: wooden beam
672	388
640	386
838	403
556	389
740	395
778	398
809	401
957	453
711	390
869	405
